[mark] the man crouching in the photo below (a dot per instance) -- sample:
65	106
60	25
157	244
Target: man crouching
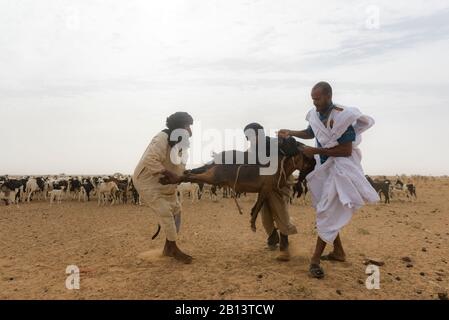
164	157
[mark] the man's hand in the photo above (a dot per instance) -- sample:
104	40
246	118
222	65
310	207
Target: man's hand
303	134
169	178
284	133
309	151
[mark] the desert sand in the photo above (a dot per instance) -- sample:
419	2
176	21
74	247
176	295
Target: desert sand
117	259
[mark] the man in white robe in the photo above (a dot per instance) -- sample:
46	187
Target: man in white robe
338	184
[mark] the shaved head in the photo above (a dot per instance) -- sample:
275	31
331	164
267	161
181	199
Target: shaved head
324	86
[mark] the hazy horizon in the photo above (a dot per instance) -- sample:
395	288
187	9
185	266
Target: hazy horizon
86	85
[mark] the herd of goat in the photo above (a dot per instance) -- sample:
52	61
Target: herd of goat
119	189
389	190
108	189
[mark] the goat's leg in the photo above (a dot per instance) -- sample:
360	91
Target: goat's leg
18	195
195	195
99	199
205	177
181	197
255	210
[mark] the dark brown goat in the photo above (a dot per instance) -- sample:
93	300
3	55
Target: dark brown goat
248	178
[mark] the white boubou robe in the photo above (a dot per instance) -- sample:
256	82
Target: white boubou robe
338	186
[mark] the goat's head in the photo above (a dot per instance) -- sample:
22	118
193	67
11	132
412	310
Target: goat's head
300	161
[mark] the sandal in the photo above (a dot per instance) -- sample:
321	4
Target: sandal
316	271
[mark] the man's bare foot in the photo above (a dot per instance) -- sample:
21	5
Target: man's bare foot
172	250
316	271
182	257
284	256
332	256
167	250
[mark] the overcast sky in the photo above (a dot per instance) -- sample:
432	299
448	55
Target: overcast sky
84	85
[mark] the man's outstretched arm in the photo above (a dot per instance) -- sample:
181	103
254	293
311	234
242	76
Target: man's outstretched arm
303	134
342	150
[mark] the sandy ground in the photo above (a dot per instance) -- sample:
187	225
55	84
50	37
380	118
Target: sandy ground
112	246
